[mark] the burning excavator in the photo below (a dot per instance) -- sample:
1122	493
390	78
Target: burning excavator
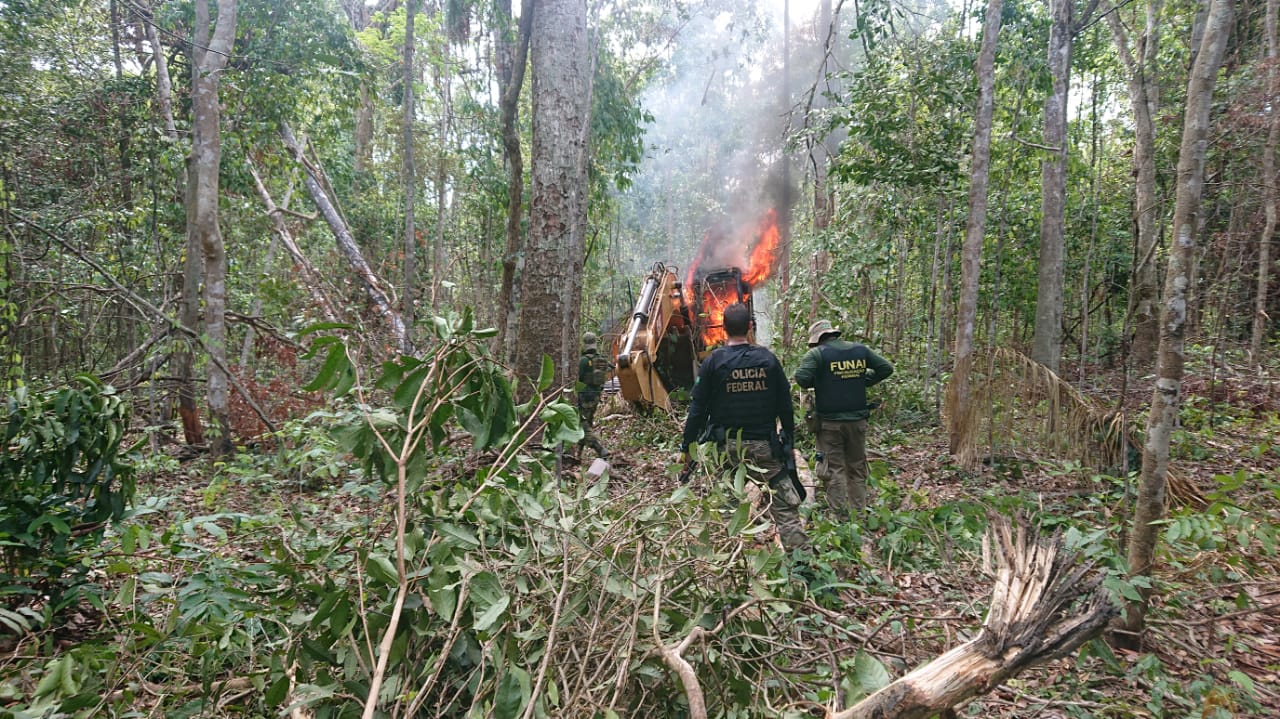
674	324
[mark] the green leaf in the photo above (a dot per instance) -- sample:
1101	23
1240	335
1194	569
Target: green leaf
381	569
741	516
277	691
547	375
52	677
1242	680
488	600
869	673
512	695
562	423
463	536
333	363
1123	588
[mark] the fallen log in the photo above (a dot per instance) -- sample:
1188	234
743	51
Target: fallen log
1046	603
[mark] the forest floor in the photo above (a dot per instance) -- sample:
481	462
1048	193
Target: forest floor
1212	646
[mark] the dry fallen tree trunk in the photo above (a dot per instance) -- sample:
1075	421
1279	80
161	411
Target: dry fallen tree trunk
1030	622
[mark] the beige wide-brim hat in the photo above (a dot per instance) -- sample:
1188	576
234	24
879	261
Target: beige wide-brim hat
821	329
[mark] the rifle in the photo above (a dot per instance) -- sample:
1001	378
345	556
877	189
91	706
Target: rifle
687	472
788	459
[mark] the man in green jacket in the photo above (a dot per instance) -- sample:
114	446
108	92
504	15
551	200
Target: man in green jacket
839	372
593	372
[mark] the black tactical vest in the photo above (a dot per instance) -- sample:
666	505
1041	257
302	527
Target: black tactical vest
745	395
841	385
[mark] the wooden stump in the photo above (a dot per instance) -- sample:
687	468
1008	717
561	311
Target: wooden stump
1044	605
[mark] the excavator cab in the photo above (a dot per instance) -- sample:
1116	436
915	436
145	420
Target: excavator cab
712	293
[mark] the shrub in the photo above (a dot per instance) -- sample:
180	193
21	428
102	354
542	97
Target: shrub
62	478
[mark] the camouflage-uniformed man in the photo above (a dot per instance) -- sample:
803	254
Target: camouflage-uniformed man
839	372
740	399
593	371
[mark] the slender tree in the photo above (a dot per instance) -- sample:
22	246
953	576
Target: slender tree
958	392
512	54
1258	338
1046	345
211	48
1167	397
408	293
1140	77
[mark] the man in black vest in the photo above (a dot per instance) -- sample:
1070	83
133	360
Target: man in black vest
739	400
840	372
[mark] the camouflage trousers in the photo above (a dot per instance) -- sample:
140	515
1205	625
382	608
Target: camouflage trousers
783	499
588	403
843	469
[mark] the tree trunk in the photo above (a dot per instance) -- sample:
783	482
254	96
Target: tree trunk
438	249
958	393
1166	398
1258	339
1028	624
346	242
209	57
1046	344
933	342
1140	74
512	58
820	157
558	187
409	291
189	314
358	15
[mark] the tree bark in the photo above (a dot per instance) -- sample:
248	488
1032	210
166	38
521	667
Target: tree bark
557	209
1029	623
408	293
1258	337
512	57
1166	398
958	392
1140	75
1046	344
210	51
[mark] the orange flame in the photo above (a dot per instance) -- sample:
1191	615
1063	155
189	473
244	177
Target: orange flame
713	306
755	254
763	257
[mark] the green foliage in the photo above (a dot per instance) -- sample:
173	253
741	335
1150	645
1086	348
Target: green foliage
63	476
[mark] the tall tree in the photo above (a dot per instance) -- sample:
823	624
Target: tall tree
1257	340
1046	345
210	50
820	152
409	291
958	393
558	185
1167	397
513	54
1140	76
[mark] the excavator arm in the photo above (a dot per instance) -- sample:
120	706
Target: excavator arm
656	352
